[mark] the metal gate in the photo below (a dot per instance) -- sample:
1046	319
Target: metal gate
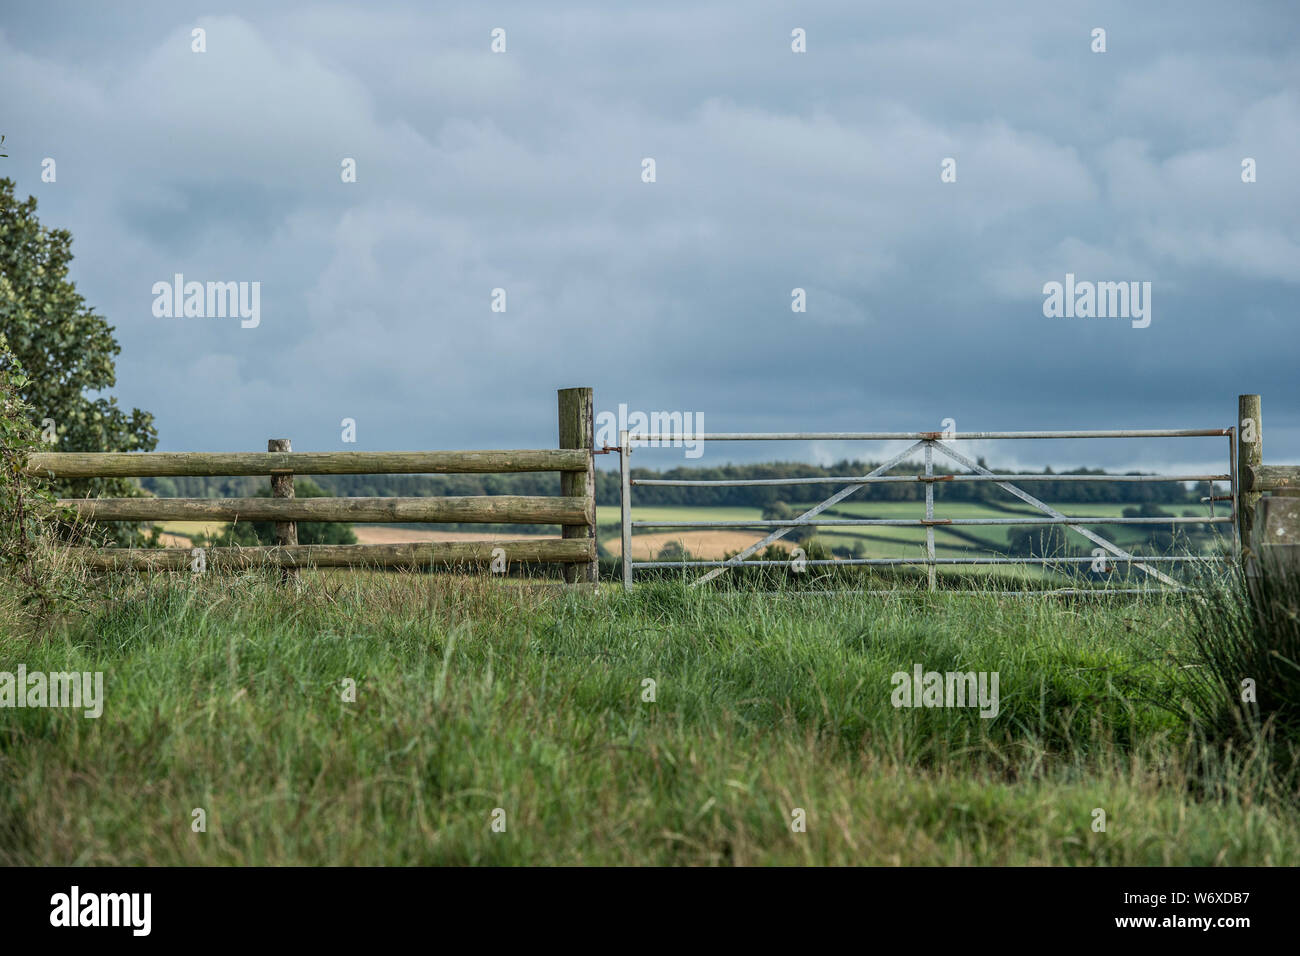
929	443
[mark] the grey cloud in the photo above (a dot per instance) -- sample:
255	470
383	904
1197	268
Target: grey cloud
818	171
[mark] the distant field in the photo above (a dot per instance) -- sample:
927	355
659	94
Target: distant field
612	513
877	542
188	529
179	533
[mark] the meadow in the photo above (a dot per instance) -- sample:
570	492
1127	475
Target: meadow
481	700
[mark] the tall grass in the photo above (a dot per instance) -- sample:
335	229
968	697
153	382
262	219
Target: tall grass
1245	673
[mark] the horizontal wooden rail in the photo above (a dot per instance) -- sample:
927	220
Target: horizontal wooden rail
434	554
156	464
573	510
478	509
1276	478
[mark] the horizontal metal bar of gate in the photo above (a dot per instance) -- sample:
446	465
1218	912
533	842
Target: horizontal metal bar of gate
908	479
896	562
922	522
640	439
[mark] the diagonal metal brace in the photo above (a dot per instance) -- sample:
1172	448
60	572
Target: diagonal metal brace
1049	510
811	512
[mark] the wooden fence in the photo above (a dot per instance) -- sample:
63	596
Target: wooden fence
1268	503
574	509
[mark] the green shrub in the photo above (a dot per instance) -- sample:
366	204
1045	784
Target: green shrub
673	551
28	558
67	351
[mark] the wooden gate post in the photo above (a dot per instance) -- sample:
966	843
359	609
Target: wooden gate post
577	430
286	532
1250	454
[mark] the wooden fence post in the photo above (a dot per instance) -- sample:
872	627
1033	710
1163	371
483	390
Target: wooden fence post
577	430
286	532
1250	453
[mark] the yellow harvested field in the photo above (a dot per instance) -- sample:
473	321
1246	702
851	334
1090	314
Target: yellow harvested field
379	534
176	534
705	545
701	544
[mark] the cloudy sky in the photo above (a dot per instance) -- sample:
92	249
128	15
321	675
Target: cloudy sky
774	170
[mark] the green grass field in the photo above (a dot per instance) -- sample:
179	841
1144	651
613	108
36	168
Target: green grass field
474	695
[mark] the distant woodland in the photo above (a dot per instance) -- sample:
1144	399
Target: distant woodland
607	486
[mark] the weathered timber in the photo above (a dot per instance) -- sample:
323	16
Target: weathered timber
1275	478
1250	454
286	532
577	431
1278	522
422	555
1275	547
476	509
154	464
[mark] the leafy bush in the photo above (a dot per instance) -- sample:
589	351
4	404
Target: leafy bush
67	351
673	551
780	511
1041	541
27	506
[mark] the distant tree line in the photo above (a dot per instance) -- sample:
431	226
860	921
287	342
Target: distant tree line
760	496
